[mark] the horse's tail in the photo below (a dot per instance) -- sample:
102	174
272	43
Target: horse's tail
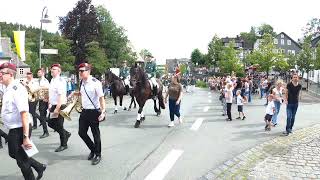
161	101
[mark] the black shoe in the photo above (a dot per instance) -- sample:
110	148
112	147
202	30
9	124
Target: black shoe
96	160
1	146
285	133
34	127
61	148
40	173
238	117
243	118
44	135
91	155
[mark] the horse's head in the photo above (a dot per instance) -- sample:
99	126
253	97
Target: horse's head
108	77
137	75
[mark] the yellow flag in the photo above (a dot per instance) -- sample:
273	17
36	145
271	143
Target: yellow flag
19	39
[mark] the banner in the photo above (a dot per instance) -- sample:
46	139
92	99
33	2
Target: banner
19	40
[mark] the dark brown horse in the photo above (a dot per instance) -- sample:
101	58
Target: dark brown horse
118	89
143	92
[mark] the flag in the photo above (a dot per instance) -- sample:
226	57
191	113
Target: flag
19	39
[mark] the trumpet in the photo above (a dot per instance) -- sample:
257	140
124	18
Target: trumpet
43	93
75	102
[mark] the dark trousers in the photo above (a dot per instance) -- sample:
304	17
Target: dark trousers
32	111
25	163
229	110
4	135
174	109
291	114
57	125
43	106
89	118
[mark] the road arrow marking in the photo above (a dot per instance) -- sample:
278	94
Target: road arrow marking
195	126
165	165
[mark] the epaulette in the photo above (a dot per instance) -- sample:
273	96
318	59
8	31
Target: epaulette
15	87
94	79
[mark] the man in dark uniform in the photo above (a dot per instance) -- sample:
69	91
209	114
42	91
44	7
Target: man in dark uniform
15	117
57	99
124	75
93	103
151	69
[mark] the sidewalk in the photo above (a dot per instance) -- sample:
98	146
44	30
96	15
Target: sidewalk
284	157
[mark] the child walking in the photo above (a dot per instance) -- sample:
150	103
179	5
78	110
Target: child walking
270	110
240	102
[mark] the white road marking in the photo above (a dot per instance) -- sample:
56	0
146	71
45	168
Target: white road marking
210	101
165	165
195	126
209	92
210	96
206	109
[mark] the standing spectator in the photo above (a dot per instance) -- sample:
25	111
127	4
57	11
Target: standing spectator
250	89
222	98
69	87
263	86
268	90
229	97
277	93
246	88
292	100
269	113
240	102
192	84
175	95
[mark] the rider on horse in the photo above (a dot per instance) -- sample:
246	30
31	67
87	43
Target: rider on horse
151	69
124	75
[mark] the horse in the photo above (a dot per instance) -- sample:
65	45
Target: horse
143	92
118	89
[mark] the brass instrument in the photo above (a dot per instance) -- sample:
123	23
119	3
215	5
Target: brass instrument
73	102
43	94
32	96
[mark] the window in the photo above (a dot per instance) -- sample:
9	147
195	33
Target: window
21	70
282	41
289	52
289	42
282	35
275	41
293	52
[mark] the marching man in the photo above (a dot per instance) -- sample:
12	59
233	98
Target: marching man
93	112
15	117
151	69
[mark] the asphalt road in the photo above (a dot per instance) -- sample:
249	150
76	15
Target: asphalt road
154	151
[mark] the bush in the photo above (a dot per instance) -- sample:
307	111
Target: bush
201	84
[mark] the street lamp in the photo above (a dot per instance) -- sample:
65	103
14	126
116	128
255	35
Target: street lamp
44	19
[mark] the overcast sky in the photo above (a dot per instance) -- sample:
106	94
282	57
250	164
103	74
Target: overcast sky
173	28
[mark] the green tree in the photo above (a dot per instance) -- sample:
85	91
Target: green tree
215	48
266	29
266	55
292	61
197	57
312	28
113	40
249	37
317	63
81	26
97	58
306	62
230	60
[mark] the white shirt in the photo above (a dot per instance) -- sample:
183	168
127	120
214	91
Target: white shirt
94	89
239	100
270	107
15	101
33	84
246	86
229	96
57	87
43	82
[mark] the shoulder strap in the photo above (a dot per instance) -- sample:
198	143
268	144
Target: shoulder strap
84	87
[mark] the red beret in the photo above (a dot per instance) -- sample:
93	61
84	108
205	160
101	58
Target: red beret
9	66
86	65
56	65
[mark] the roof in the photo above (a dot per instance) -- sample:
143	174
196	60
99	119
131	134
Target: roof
7	53
290	39
315	41
238	39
